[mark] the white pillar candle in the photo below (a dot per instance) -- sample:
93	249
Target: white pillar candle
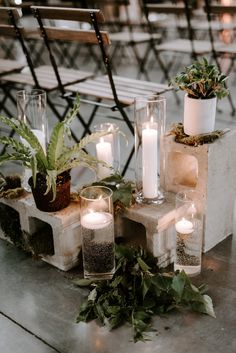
104	153
184	226
150	160
96	220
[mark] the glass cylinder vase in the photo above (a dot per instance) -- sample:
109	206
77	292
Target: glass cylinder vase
108	149
97	232
150	116
189	229
31	109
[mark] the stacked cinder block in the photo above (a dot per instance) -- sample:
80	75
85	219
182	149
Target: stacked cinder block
63	225
211	170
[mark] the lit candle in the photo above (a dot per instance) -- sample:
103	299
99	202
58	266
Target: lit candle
96	220
150	160
104	153
184	226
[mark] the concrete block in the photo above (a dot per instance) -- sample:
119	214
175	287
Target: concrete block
64	226
211	170
158	221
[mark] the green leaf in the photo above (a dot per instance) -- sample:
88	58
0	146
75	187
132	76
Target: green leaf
178	283
143	265
82	282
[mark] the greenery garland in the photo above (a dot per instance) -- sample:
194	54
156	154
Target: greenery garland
138	291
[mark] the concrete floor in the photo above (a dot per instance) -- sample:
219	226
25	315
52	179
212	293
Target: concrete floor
39	304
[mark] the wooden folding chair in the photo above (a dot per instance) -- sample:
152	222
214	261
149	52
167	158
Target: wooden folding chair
128	36
180	46
115	93
42	77
223	51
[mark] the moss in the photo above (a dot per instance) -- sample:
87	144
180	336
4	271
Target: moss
178	131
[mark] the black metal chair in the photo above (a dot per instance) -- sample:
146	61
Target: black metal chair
113	92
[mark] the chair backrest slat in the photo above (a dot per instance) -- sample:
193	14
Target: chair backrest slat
80	36
166	9
68	14
221	9
4	13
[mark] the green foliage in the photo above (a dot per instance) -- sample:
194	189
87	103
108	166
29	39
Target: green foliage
122	191
138	291
201	80
58	157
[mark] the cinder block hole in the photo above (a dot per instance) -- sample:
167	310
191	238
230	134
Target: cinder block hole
133	232
182	169
40	239
10	224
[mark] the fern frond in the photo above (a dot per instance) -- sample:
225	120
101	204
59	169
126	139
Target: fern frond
16	145
91	139
51	183
56	145
25	132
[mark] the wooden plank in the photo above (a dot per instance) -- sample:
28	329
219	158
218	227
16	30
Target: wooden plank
4	13
68	14
170	9
221	9
66	34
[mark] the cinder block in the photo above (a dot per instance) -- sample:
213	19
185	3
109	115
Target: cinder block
211	170
158	222
64	227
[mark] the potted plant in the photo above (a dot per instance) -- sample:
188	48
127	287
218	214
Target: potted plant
50	181
203	84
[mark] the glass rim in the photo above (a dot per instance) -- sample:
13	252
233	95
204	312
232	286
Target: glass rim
150	98
33	92
102	126
104	197
179	196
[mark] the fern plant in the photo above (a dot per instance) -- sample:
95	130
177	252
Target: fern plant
58	157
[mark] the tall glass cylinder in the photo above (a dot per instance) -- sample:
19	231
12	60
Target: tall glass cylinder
150	116
108	149
189	229
97	232
31	109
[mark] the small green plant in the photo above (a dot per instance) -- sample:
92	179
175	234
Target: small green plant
201	80
58	157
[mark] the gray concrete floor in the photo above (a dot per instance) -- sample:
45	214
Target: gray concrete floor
39	304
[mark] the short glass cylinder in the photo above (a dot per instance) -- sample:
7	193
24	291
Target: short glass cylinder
97	232
150	117
108	149
189	229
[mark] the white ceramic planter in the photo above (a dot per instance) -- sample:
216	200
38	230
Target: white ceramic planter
199	115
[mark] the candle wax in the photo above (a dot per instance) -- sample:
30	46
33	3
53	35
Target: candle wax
150	160
104	153
96	220
184	226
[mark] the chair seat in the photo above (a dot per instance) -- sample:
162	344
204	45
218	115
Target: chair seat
46	77
7	65
137	37
127	89
184	46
